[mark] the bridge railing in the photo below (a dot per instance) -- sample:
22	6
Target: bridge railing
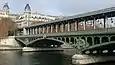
81	32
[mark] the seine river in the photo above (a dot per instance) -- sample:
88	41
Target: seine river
36	58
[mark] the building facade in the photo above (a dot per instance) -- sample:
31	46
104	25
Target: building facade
26	18
5	12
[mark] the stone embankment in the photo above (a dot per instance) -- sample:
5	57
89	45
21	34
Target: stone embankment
78	59
9	43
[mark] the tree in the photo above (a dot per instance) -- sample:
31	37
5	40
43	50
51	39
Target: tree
7	27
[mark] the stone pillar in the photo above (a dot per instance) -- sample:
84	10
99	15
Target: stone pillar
93	41
84	25
65	39
74	40
75	25
28	31
94	24
70	40
51	28
24	31
61	38
47	29
106	22
56	27
36	30
43	30
62	27
100	39
33	31
39	30
68	26
105	18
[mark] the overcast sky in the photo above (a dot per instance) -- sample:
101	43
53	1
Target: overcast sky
59	7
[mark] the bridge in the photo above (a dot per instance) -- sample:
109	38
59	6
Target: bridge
89	33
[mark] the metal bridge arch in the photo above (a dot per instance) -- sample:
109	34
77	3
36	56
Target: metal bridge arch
21	42
43	40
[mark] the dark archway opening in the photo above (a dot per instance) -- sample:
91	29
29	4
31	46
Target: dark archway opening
89	40
63	39
112	38
83	38
59	38
96	40
46	43
105	39
67	40
72	40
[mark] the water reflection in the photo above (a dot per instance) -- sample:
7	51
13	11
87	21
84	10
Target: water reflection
32	58
43	58
10	58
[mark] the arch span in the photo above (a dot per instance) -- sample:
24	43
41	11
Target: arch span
46	41
105	46
20	42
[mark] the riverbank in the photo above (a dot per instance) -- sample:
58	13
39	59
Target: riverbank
78	59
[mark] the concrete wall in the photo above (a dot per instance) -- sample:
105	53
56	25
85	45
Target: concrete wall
9	41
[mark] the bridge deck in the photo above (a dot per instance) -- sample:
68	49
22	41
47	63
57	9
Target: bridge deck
84	32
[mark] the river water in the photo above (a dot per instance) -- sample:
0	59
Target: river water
34	58
38	58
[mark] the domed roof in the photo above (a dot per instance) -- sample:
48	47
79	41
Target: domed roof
27	8
6	7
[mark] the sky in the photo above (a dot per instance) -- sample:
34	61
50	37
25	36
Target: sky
58	7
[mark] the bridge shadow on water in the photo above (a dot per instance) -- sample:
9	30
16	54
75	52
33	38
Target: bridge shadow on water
34	58
47	58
